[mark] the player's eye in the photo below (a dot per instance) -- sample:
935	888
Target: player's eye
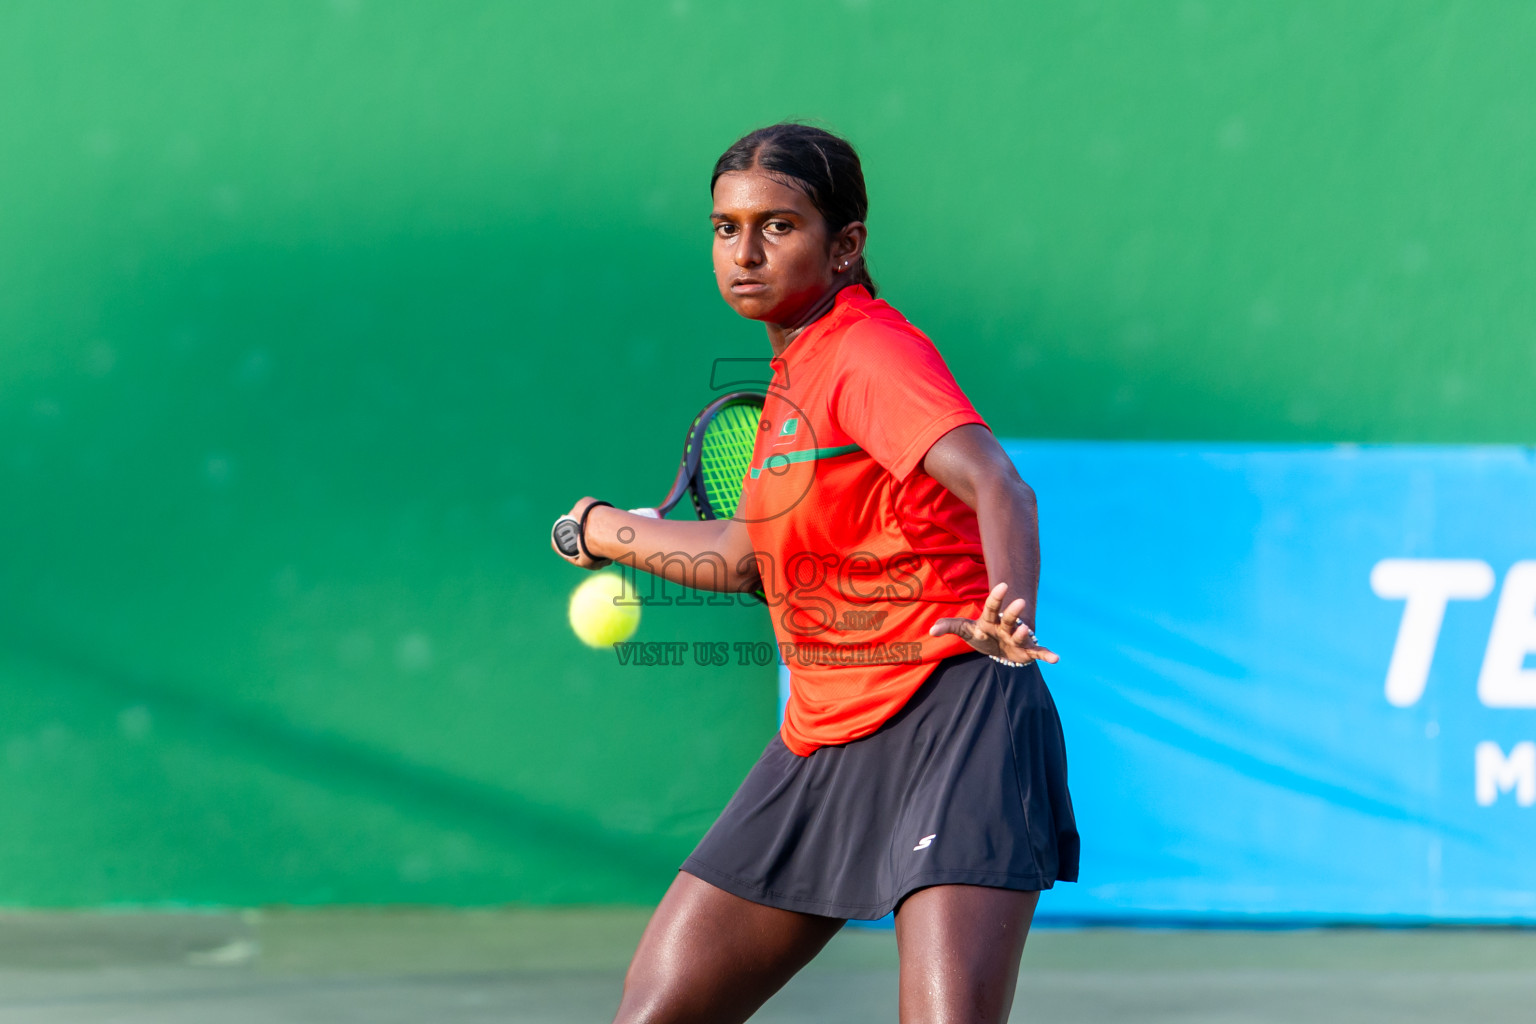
780	227
725	230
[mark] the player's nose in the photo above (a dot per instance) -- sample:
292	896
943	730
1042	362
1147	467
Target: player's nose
749	249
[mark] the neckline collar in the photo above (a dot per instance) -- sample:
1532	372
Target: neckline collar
816	329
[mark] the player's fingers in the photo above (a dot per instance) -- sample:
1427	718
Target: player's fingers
1011	617
992	606
959	627
1028	651
562	539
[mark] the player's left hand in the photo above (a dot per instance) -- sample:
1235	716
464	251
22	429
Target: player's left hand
1000	632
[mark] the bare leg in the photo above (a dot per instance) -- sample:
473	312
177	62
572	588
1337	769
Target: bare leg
960	947
714	958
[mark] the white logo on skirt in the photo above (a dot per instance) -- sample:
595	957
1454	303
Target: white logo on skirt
925	842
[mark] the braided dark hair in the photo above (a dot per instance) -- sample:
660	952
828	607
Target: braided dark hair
818	163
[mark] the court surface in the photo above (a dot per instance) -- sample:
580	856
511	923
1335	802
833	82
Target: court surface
553	967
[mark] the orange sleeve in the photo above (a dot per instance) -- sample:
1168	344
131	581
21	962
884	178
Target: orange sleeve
894	396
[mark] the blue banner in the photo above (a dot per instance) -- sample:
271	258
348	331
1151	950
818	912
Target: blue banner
1298	684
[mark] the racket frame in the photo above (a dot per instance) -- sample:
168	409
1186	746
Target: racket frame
689	481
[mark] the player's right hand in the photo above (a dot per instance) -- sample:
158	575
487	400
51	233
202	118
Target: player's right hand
567	530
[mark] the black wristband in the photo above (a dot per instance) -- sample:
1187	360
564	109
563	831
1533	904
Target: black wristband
581	530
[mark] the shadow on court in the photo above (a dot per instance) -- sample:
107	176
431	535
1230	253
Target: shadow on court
554	967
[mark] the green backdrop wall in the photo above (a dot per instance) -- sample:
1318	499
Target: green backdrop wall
314	314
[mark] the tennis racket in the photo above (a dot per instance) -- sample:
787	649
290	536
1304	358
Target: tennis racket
717	453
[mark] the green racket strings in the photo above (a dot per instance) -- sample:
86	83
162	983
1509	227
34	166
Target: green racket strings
725	455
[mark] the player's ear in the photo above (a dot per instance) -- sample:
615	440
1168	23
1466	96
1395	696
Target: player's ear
848	245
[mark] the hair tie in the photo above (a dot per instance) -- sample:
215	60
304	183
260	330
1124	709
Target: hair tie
581	531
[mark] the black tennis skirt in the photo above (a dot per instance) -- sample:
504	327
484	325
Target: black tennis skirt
966	784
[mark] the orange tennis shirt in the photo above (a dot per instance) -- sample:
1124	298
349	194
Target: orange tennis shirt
859	550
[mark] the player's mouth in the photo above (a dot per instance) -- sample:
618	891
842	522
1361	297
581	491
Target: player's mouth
747	286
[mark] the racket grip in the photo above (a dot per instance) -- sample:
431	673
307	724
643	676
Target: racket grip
649	513
566	534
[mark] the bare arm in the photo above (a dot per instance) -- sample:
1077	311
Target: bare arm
970	464
710	555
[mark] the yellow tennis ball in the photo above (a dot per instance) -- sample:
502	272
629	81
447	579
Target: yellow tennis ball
597	621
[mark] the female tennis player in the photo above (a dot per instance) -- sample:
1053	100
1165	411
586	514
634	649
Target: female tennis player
920	766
